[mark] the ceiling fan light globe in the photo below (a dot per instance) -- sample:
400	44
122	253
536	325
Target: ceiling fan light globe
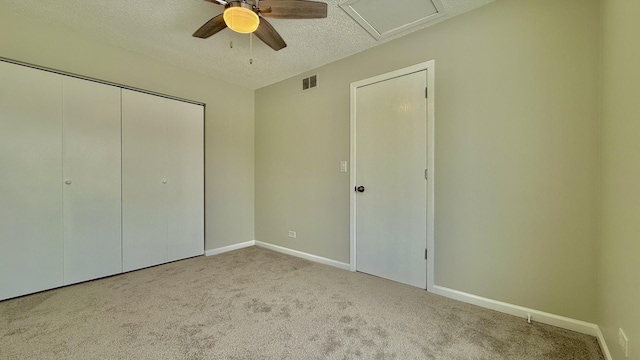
241	19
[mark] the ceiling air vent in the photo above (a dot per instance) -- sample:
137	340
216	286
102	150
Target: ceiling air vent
382	18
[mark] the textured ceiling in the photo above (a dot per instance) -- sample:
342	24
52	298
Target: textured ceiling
162	29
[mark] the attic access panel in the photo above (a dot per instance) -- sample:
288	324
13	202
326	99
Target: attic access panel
383	18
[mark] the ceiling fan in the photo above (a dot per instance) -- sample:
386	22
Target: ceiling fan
248	16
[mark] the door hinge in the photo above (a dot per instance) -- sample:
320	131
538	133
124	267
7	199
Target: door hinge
426	174
425	254
426	93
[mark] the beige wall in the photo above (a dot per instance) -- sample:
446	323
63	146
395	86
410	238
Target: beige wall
517	116
229	118
619	250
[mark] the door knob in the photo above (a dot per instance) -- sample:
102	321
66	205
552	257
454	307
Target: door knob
68	182
360	188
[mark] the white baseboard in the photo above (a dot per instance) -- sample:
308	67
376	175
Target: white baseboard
280	249
300	254
536	315
520	311
603	345
511	309
225	249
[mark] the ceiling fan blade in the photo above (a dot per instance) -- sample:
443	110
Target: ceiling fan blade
269	35
210	27
219	2
293	9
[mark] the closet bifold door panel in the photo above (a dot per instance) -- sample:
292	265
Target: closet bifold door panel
185	180
144	205
162	180
91	172
31	244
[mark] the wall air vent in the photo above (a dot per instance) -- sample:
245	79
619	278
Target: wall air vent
310	82
382	18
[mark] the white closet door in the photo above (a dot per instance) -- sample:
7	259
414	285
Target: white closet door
144	180
91	170
185	165
31	247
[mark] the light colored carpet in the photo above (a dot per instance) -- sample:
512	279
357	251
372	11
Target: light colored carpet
257	304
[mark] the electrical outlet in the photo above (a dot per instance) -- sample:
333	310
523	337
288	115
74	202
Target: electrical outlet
343	166
623	341
292	234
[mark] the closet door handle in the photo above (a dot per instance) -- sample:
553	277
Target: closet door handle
164	181
68	181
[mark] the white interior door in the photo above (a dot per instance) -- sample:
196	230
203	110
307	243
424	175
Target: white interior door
144	180
31	249
390	163
91	170
185	179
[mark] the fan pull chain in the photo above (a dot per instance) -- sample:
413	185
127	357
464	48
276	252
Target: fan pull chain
250	48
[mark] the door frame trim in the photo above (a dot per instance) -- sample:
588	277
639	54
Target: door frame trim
429	66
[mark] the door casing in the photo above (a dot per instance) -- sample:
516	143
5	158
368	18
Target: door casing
429	66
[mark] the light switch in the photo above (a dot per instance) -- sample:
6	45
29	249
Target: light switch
343	166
